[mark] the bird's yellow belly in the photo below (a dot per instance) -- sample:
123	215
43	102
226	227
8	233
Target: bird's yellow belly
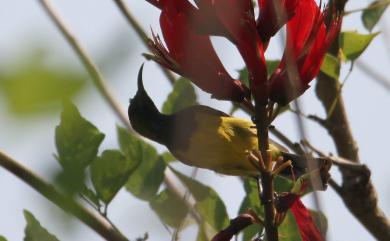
217	145
217	155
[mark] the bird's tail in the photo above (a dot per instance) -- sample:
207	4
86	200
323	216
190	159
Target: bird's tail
302	165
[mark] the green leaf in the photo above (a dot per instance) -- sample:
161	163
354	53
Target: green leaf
209	205
353	44
110	172
320	221
34	231
168	157
31	86
148	176
251	201
182	96
2	238
271	66
170	208
283	184
373	13
288	230
202	236
331	66
307	183
71	182
77	140
244	78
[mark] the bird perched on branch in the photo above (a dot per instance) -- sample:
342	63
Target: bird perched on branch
203	137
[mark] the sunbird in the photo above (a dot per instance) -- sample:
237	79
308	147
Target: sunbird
204	137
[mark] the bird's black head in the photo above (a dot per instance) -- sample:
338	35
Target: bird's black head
144	115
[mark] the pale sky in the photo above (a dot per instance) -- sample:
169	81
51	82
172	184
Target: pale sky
96	22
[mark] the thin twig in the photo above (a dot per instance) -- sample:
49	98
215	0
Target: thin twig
311	165
378	78
94	72
285	140
103	88
358	193
336	187
311	117
179	193
378	4
97	223
338	161
337	96
141	33
91	204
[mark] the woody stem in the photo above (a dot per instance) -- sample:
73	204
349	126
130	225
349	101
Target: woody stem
265	180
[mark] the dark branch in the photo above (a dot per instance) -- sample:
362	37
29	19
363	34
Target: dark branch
358	193
96	223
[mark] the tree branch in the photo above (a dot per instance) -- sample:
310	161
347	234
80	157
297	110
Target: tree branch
358	193
99	81
141	33
97	223
86	60
283	138
265	181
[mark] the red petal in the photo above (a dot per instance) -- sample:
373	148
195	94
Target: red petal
308	39
269	23
195	53
238	18
305	222
233	19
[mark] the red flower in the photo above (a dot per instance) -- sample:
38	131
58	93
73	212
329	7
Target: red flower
186	30
273	15
306	225
308	39
235	20
191	54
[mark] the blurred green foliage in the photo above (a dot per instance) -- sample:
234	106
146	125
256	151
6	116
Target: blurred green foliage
353	44
170	208
182	96
373	13
34	231
251	201
209	205
331	66
31	85
34	86
288	230
149	175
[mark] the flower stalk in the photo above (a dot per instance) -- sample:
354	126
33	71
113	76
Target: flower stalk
308	38
265	179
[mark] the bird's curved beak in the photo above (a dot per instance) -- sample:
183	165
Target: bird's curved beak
140	83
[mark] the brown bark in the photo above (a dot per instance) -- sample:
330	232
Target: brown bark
266	179
357	191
